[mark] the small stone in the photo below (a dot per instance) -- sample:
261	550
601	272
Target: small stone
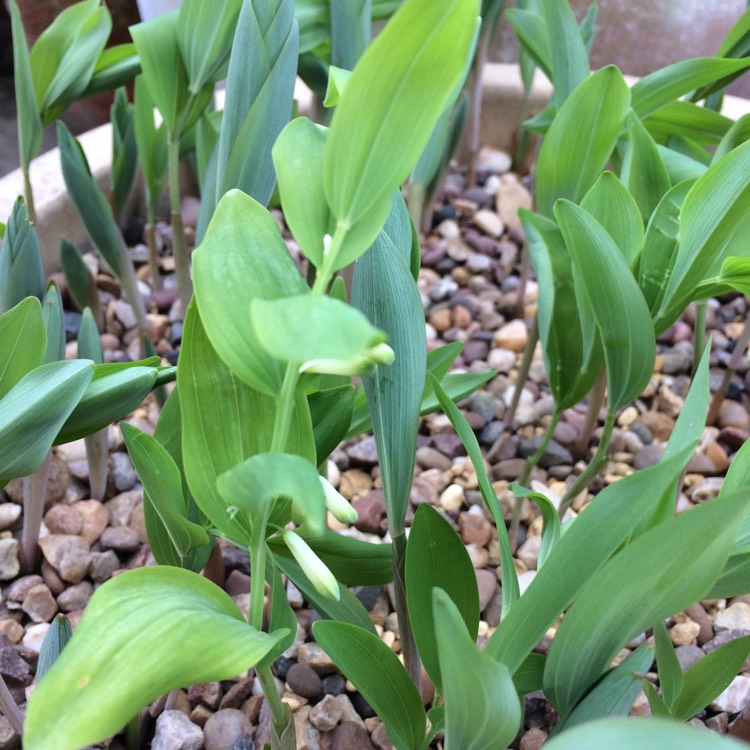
326	714
700	464
660	425
124	313
18	590
452	497
736	616
103	564
718	457
68	555
430	458
236	696
9	740
351	736
11	663
489	222
75	597
493	160
528	552
678	358
34	636
649	455
120	538
364	452
63	519
224	728
12	629
441	319
354	482
533	739
706	489
474	528
304	681
39	604
9	514
487	585
371	512
9	565
733	414
448	229
478	555
735	697
94	517
174	731
314	656
121	507
512	336
501	360
688	655
685	633
122	472
308	737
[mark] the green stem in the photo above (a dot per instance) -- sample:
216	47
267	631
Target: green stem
179	242
28	195
153	253
523	477
408	644
592	469
326	271
258	569
130	286
284	408
594	403
278	709
699	343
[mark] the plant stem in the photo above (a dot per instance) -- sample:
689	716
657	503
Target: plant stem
595	401
326	271
592	469
475	111
284	408
34	496
699	335
408	644
130	286
179	243
97	455
734	361
278	710
258	570
523	477
28	195
153	254
10	709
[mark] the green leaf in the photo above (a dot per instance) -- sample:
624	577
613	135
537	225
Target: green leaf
30	133
436	557
671	679
482	708
385	291
615	208
642	170
683	118
80	281
21	268
259	94
679	166
32	412
615	693
64	56
151	142
350	31
22	342
331	415
735	136
581	138
636	587
124	154
54	324
298	157
529	676
204	35
629	347
89	201
338	78
116	66
163	483
251	486
319	333
550	519
136	641
381	678
714	209
531	30
112	394
404	81
609	521
243	257
667	84
57	637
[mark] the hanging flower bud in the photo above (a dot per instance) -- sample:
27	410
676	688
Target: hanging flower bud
314	568
339	506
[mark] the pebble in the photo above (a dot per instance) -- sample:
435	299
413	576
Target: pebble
174	731
533	739
452	497
304	681
351	736
736	616
511	195
430	458
489	222
364	452
314	656
94	519
75	597
492	160
11	663
528	552
63	519
308	737
371	512
488	587
659	425
474	528
224	728
9	514
735	697
478	555
512	336
103	565
120	507
68	555
34	636
649	455
501	360
326	714
39	604
12	629
733	414
685	633
688	655
9	564
122	472
120	539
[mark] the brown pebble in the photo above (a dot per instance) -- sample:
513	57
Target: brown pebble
63	519
718	457
120	539
351	736
661	425
474	528
75	597
533	739
371	512
697	614
304	681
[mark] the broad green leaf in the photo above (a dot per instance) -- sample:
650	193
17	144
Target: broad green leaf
581	138
163	483
30	133
609	521
642	171
259	94
482	708
112	394
737	41
689	120
137	640
331	415
713	211
243	257
709	677
151	141
671	678
89	201
636	587
350	31
568	53
436	557
204	35
668	84
381	678
509	579
251	487
615	693
404	81
348	609
319	333
353	562
550	519
694	150
64	56
679	166
116	66
531	30
21	270
57	637
660	245
298	158
34	410
615	208
629	347
384	290
735	136
645	734
80	281
529	676
124	154
54	324
22	342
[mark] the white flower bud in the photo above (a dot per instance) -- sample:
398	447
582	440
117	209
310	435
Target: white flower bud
314	568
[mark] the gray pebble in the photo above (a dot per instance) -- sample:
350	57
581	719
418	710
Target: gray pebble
39	604
688	655
174	731
103	564
68	555
120	538
225	728
75	597
9	565
304	681
122	472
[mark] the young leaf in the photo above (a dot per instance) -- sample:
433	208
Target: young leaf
482	708
163	617
531	30
404	81
54	324
436	557
350	31
702	125
331	415
21	270
671	678
629	347
22	342
550	518
243	257
81	283
378	674
54	642
151	142
636	587
124	154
